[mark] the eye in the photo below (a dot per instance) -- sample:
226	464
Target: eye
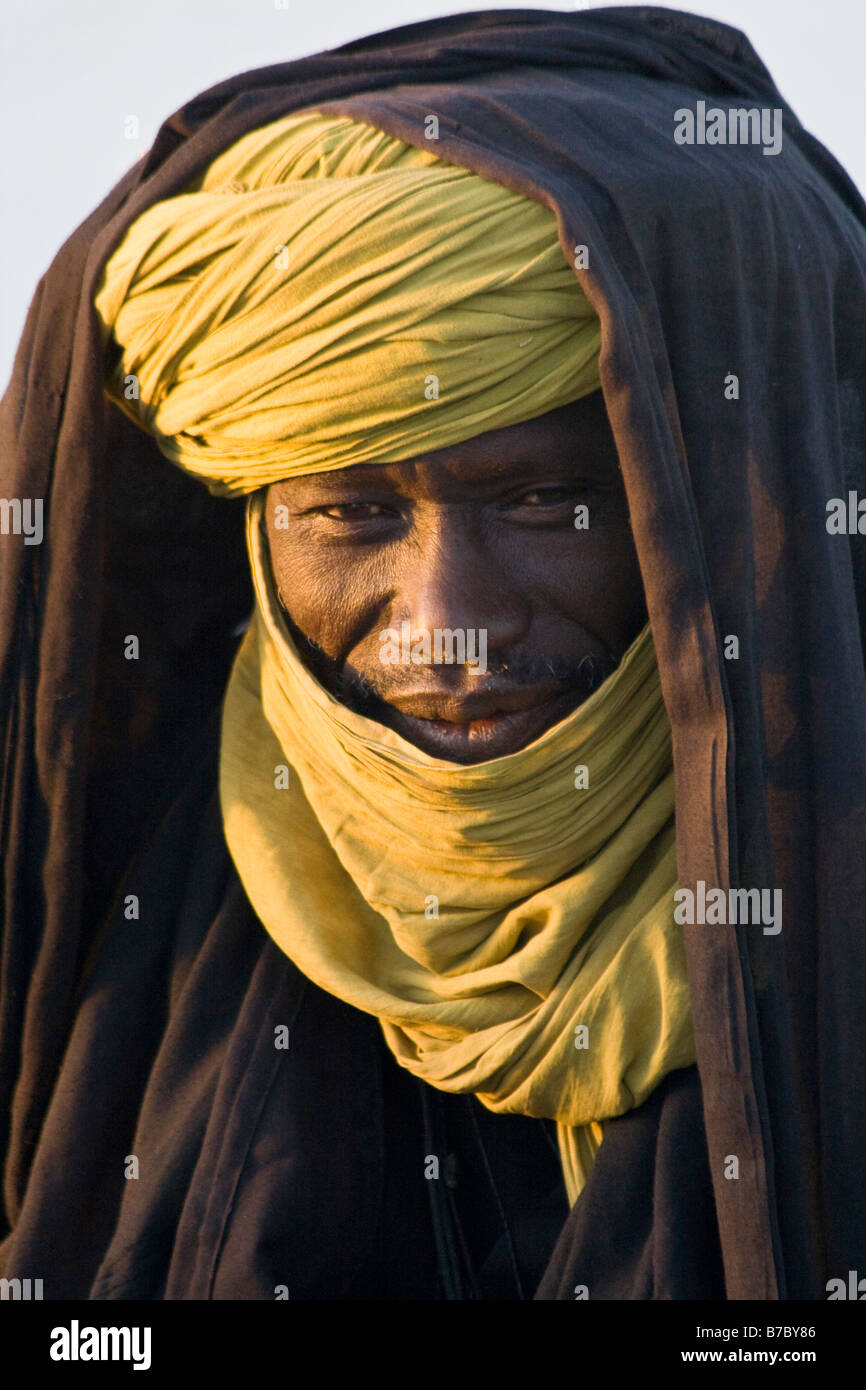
548	503
353	511
548	506
544	496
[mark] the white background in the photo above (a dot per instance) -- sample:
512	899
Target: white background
72	71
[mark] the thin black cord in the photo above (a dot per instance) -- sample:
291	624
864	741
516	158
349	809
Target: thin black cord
509	1242
553	1144
446	1254
455	1225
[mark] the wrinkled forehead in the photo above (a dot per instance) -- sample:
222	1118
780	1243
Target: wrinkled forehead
576	438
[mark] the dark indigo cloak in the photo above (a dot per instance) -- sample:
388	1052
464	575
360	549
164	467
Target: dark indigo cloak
154	1037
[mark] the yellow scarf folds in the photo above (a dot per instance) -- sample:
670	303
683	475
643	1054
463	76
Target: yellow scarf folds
324	296
329	296
513	932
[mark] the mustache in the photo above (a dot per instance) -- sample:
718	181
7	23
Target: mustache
363	693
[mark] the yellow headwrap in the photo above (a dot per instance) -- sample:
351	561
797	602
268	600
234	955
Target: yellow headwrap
330	296
325	296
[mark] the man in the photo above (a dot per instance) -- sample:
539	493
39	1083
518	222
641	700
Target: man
322	979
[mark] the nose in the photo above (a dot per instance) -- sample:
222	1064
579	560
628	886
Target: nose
451	578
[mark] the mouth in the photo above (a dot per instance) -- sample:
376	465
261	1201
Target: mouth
479	730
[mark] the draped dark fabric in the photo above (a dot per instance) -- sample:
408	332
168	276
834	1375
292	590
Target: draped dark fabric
153	1036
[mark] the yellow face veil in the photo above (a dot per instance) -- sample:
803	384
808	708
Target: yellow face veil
510	924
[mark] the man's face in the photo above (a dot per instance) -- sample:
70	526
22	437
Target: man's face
479	537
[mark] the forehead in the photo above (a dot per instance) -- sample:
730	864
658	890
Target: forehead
573	438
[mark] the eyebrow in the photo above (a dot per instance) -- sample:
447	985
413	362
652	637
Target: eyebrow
354	476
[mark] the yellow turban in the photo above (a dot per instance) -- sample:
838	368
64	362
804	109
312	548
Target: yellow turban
326	295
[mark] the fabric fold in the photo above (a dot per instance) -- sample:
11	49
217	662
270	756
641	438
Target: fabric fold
323	297
547	975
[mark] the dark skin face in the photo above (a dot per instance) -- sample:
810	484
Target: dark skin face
480	535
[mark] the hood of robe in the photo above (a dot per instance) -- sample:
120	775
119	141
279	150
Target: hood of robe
730	285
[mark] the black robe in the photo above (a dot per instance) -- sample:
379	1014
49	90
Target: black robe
149	1041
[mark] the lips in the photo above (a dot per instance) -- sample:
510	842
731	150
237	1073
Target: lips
480	726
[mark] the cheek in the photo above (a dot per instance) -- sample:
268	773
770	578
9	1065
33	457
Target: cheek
589	578
621	603
327	593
